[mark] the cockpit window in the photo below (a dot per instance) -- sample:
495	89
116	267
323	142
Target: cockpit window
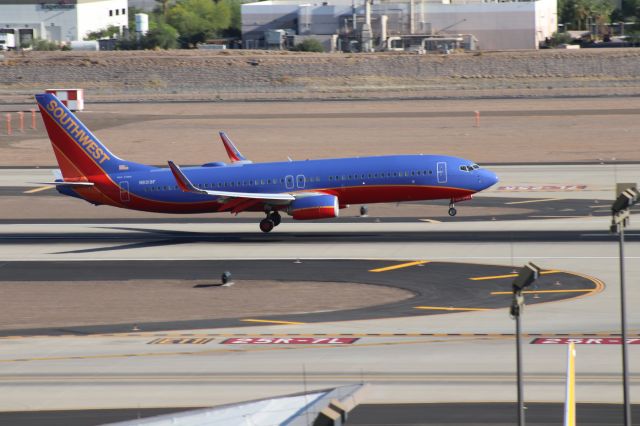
475	166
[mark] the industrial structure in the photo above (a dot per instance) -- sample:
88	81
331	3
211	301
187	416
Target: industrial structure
59	21
391	25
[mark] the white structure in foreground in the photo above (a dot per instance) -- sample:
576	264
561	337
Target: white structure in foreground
325	407
60	21
497	25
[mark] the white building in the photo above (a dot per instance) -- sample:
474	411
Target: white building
497	25
60	21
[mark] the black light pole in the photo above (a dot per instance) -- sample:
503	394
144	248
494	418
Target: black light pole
528	274
620	212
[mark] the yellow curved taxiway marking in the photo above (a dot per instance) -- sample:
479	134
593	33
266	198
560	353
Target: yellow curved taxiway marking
538	200
272	321
498	277
583	290
444	308
400	266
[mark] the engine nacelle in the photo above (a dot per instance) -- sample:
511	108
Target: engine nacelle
314	207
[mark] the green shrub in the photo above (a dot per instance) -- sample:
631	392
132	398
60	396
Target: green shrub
41	44
560	38
309	45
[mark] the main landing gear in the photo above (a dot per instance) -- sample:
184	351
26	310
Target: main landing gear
452	209
272	220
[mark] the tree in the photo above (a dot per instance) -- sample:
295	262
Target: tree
160	36
631	8
163	36
567	13
110	32
164	7
198	20
235	25
582	10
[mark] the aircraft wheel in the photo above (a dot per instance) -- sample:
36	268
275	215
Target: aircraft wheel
276	218
453	211
266	225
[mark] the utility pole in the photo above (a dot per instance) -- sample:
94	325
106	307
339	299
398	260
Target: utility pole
620	214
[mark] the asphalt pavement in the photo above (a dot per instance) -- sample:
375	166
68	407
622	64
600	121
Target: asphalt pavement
438	287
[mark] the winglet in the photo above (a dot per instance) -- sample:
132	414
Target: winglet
183	182
233	153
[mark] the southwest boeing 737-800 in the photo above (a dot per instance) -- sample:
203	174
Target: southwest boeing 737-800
311	189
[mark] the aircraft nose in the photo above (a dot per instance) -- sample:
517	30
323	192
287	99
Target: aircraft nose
488	179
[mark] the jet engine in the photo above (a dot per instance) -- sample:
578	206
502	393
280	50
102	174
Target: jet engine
314	207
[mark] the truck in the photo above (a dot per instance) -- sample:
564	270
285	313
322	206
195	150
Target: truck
7	41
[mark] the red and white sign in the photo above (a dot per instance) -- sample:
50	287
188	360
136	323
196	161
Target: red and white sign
536	188
72	98
583	341
290	341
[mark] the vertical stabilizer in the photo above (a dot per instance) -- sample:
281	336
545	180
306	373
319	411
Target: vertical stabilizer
78	151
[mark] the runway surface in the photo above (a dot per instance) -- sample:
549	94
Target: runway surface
369	415
437	288
465	356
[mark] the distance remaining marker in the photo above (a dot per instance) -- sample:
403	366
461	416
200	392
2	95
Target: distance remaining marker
290	341
533	188
180	341
582	341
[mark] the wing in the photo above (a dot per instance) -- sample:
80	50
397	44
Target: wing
234	154
185	184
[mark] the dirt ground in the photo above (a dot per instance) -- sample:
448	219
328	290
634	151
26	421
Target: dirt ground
60	304
573	130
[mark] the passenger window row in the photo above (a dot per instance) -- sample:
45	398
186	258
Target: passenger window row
312	179
382	175
231	184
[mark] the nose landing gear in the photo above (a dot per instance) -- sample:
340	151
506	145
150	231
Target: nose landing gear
272	220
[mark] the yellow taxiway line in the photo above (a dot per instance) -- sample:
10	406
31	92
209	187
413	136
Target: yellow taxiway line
400	266
272	321
545	291
40	188
444	308
540	200
497	277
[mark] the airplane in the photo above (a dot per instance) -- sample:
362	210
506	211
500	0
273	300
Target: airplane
305	190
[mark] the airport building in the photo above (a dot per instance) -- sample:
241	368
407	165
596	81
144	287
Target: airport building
60	20
400	24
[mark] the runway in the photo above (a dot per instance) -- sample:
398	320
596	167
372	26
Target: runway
434	356
367	415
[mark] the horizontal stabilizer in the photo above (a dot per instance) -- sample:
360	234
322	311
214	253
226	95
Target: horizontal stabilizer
185	184
63	183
